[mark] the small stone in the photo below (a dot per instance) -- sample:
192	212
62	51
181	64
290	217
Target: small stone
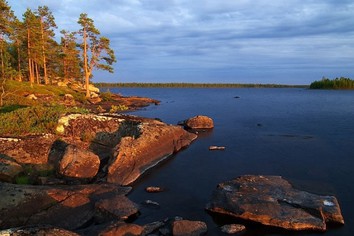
233	228
153	189
151	203
212	148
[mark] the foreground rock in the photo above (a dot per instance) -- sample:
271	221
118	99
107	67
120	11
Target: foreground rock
68	207
134	155
78	163
189	228
37	230
271	200
199	122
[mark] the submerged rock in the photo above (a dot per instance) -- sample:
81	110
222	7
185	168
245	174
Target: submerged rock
271	200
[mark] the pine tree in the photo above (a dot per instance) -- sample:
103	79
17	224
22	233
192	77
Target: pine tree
6	20
96	51
70	56
47	23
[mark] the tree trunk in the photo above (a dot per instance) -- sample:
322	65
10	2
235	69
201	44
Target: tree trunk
87	75
30	66
43	52
19	62
37	73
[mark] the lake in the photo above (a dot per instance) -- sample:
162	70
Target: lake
306	136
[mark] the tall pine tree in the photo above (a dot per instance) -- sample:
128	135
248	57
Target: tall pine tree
96	51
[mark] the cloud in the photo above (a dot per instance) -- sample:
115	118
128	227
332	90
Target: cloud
240	40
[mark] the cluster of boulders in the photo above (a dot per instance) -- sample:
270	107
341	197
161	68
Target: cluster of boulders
76	182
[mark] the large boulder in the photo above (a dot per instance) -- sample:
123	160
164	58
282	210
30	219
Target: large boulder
79	163
271	200
189	228
199	122
134	155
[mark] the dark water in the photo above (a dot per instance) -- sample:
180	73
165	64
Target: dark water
306	136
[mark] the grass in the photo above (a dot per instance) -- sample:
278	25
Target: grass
32	120
17	91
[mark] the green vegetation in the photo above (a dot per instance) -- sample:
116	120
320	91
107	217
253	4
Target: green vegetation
30	53
195	85
36	119
337	83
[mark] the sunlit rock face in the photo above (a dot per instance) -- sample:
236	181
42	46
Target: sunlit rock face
271	200
135	154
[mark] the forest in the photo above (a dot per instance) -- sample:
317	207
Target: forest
337	83
31	52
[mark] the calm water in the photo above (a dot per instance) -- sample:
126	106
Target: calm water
306	136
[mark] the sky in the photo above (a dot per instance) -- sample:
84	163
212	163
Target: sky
216	41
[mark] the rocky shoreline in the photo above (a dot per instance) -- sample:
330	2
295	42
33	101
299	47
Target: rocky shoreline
75	182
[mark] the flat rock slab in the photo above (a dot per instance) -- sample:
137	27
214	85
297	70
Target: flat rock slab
68	207
272	201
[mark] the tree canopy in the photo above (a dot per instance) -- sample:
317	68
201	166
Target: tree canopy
29	50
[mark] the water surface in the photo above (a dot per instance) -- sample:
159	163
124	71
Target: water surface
306	136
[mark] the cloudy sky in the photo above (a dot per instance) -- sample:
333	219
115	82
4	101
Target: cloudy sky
222	41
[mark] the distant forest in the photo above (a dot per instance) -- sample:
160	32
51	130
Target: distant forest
337	83
195	85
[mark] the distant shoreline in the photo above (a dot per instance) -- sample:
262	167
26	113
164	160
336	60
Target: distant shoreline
196	85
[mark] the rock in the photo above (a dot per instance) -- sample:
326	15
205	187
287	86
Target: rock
118	207
31	97
150	203
233	228
199	122
68	96
28	150
212	148
134	155
68	207
189	228
154	189
78	163
9	169
37	230
123	229
271	200
94	89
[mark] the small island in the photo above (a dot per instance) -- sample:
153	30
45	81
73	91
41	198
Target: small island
337	83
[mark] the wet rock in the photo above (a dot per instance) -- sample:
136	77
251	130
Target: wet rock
118	207
189	228
271	200
9	169
78	163
134	155
123	229
154	189
233	228
199	122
